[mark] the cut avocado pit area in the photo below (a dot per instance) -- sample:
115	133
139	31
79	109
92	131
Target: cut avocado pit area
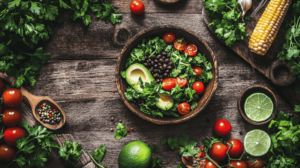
136	74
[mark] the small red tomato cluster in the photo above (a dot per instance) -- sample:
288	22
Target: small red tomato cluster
11	118
232	150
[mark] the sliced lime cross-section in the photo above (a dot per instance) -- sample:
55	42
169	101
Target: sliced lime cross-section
258	107
257	142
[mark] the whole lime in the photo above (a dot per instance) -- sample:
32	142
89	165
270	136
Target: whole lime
136	154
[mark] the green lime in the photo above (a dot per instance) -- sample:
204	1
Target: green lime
257	142
136	154
258	107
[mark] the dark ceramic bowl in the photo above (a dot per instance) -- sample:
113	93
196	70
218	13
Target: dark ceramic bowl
160	31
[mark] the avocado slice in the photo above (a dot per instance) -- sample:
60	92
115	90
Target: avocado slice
164	102
134	72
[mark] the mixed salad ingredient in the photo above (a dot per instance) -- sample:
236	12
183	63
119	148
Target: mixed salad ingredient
166	77
11	117
222	127
49	114
12	97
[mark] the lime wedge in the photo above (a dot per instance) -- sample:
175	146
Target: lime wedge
258	107
257	142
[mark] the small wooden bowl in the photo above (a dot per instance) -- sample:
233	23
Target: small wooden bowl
160	31
248	92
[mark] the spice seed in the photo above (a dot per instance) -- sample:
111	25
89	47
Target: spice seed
112	118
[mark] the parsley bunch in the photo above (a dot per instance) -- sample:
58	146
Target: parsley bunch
226	20
34	149
70	153
284	151
25	26
291	49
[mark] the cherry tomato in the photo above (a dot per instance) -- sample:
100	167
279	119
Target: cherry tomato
191	50
137	7
179	45
252	164
168	83
236	149
12	134
210	164
218	151
7	153
181	82
222	127
238	164
197	70
184	108
188	158
1	85
12	97
169	37
198	87
11	117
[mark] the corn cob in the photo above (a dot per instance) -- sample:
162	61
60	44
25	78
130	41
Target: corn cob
268	26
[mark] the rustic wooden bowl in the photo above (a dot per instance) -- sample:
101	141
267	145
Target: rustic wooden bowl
248	92
159	31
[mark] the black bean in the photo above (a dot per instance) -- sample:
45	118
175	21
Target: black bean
152	62
161	60
170	63
148	61
157	80
159	64
165	66
167	60
152	72
161	68
164	53
169	67
151	69
156	61
161	79
167	71
165	75
153	57
168	55
145	64
155	65
146	57
155	70
291	115
155	75
158	56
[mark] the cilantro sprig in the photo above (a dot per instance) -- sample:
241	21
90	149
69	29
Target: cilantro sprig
226	20
25	26
98	155
70	153
121	130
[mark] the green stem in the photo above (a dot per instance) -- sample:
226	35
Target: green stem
210	159
99	165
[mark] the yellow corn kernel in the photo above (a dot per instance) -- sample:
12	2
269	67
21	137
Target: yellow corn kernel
268	25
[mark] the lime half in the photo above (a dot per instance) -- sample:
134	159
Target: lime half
258	107
257	142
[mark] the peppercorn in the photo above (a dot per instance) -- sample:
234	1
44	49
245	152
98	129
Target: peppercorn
131	129
120	121
111	130
111	118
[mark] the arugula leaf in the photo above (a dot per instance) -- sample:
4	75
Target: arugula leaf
121	130
98	156
70	153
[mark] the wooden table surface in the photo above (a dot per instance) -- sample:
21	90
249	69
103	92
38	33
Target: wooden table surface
80	77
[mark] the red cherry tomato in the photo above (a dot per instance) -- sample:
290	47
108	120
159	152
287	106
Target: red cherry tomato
236	149
137	7
191	50
11	117
238	164
210	164
12	97
218	151
169	37
1	85
7	153
168	83
222	127
12	134
255	163
188	158
197	70
198	87
184	108
181	82
179	45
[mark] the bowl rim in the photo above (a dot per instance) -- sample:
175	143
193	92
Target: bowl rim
241	109
175	120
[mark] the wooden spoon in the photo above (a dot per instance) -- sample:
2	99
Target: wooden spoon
36	101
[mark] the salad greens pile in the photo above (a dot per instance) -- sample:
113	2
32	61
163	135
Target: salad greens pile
291	49
284	151
226	20
182	69
25	26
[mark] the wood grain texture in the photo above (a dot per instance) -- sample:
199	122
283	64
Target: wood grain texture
268	64
80	78
168	2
